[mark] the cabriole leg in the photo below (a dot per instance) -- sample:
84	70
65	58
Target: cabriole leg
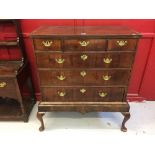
40	118
126	118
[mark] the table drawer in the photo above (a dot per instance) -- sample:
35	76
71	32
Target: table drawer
84	77
85	45
47	44
85	60
88	94
7	88
122	44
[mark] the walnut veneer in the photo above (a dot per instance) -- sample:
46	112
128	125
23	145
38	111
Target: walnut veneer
84	68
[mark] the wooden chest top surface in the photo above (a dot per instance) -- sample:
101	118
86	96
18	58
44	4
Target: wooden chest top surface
100	31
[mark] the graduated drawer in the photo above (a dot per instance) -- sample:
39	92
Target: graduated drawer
7	88
47	44
89	94
122	44
85	60
83	77
85	44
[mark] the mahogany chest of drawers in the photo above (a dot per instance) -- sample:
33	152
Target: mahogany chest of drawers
84	69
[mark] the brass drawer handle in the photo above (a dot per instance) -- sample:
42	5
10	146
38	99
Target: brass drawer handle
61	77
84	43
84	57
59	60
106	77
82	90
107	60
121	43
83	73
102	94
61	94
2	84
47	43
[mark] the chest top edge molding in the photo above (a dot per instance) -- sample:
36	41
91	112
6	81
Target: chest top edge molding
85	31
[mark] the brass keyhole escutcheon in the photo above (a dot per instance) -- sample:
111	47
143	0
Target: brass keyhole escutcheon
84	57
83	73
82	90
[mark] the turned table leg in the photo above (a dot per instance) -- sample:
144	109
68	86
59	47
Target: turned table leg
126	118
39	116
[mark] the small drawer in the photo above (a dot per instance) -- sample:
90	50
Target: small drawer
47	44
7	88
85	60
83	77
122	44
85	45
82	94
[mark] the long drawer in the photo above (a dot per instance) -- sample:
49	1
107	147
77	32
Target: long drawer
65	77
84	60
88	94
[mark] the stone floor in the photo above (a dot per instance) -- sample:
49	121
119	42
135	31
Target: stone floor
72	133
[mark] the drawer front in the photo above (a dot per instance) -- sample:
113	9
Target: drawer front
88	94
85	45
122	44
7	88
83	77
85	60
47	44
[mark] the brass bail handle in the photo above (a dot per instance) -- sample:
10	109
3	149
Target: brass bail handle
84	43
103	94
107	60
60	60
61	77
61	93
106	77
121	43
47	43
2	84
